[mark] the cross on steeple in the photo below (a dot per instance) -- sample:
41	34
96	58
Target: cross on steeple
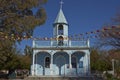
61	4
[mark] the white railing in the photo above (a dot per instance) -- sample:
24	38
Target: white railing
39	44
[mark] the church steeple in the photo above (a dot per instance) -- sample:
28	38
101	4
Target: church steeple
61	4
60	17
61	28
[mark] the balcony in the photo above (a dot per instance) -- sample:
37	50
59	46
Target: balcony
53	43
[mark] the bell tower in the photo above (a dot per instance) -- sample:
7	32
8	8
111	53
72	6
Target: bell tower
60	28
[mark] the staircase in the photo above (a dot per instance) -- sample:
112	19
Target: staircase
64	78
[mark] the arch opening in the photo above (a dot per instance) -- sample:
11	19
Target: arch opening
77	59
47	62
74	62
60	59
60	41
60	29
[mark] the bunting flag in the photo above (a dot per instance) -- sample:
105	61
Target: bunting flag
91	34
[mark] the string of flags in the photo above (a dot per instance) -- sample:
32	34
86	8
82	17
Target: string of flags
92	34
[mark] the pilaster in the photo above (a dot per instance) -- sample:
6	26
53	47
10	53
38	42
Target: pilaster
51	64
33	64
89	70
70	65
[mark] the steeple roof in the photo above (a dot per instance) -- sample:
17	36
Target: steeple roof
60	17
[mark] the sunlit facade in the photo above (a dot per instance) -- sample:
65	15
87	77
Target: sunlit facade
61	56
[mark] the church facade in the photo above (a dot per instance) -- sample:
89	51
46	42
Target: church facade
62	56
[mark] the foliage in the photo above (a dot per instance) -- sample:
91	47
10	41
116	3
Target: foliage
25	62
111	77
93	57
11	59
102	61
28	50
111	37
115	54
98	61
7	53
17	20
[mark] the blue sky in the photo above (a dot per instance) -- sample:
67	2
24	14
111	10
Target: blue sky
82	16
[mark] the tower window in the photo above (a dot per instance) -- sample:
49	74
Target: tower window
60	41
60	29
47	62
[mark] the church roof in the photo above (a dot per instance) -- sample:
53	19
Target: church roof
60	18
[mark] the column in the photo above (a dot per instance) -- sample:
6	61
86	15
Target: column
57	29
85	63
88	43
33	70
69	43
51	65
88	57
51	59
70	61
36	64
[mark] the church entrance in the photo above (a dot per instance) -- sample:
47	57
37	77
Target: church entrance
42	61
77	59
60	62
74	64
60	59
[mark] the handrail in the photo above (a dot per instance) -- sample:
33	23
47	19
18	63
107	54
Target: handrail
54	43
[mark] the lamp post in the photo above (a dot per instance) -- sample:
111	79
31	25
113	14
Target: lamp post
113	60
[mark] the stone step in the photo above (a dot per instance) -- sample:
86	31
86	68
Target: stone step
63	78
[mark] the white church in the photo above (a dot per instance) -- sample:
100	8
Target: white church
61	56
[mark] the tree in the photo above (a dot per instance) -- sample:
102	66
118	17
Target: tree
110	36
99	61
17	20
25	59
9	59
94	56
28	50
24	62
115	54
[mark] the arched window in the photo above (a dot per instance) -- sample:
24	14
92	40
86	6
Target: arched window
60	41
47	62
80	64
60	29
74	62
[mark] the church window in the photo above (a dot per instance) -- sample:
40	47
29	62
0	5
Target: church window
60	29
74	62
80	64
47	62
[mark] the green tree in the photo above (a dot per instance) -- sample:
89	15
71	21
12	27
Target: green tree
28	50
94	56
17	20
115	54
24	62
9	59
99	61
25	59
